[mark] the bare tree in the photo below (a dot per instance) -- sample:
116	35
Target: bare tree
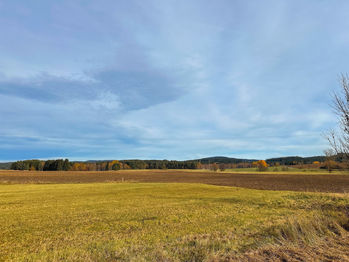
339	141
214	167
329	163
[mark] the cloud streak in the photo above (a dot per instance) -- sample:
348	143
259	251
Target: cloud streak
174	80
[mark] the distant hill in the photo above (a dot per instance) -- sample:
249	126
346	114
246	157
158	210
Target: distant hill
223	160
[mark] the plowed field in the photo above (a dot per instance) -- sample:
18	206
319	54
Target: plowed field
338	183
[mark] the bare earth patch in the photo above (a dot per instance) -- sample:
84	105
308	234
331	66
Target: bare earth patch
294	182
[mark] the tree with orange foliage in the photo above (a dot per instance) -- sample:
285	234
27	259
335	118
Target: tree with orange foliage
316	164
261	165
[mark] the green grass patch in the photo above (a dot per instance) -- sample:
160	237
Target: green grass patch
148	222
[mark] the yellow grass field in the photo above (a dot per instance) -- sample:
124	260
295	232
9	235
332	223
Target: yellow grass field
165	222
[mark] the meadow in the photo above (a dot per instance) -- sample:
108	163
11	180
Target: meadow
169	222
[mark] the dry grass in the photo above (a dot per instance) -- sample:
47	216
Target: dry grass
166	222
322	238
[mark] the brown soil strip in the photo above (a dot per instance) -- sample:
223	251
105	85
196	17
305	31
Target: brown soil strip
294	182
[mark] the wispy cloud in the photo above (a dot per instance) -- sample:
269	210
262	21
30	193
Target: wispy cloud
168	79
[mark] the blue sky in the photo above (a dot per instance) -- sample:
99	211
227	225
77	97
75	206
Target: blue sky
169	79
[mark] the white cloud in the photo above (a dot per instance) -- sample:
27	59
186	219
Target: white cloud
169	79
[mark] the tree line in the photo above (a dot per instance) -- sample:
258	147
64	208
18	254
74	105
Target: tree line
38	165
66	165
243	163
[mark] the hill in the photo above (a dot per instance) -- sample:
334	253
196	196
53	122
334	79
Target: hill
223	160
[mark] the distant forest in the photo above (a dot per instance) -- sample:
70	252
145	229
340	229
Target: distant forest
65	165
288	161
105	165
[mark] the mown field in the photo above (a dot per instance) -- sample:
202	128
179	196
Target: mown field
169	222
310	182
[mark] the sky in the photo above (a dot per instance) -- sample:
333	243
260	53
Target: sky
169	79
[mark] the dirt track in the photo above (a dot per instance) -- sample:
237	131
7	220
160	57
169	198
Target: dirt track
294	182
